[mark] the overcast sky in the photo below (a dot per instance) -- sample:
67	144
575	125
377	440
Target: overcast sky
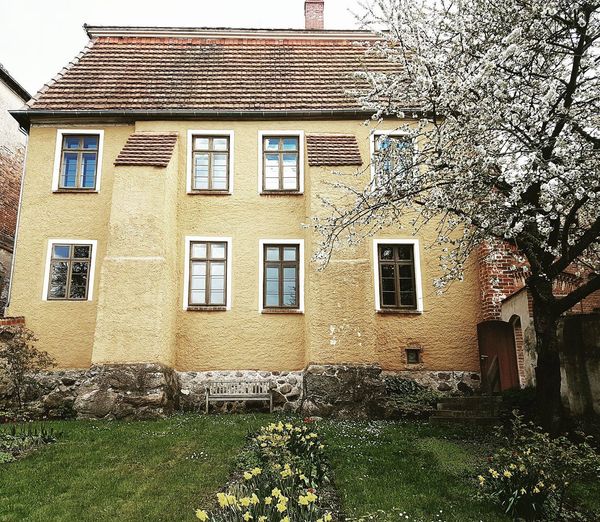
39	37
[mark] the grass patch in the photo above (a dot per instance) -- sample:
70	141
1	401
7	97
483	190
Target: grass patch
156	470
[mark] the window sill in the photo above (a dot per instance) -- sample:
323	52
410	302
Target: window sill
193	308
393	311
282	193
75	191
209	193
281	311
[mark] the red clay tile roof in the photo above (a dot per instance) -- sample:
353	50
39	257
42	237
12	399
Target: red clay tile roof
295	72
332	149
153	150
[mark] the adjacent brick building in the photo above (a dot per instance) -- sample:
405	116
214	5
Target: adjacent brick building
12	153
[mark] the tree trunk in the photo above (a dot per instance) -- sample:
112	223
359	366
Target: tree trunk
547	372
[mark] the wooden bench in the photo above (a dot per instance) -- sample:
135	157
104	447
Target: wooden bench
222	391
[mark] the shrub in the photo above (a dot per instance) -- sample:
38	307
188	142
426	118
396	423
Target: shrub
18	440
529	478
19	358
284	485
408	399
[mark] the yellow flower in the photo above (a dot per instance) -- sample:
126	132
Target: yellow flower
481	479
201	515
303	501
507	473
231	500
281	507
276	492
523	491
256	471
245	501
222	499
536	490
247	516
262	518
311	496
285	519
540	484
327	517
288	426
268	500
302	477
512	466
248	475
494	473
254	499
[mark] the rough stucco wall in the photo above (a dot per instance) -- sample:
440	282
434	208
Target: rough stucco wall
137	324
340	323
518	305
65	329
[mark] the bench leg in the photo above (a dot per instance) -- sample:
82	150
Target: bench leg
271	403
206	409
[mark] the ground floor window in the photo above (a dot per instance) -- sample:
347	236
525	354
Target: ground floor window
69	270
281	275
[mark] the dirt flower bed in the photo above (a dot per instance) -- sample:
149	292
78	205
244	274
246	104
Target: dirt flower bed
282	477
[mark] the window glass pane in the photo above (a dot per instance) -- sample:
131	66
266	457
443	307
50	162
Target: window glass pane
388	285
389	299
405	251
198	268
271	143
386	252
197	297
217	269
290	171
88	170
90	142
69	173
289	286
272	253
81	251
407	298
61	251
290	143
219	171
198	282
57	288
79	275
220	143
272	286
199	250
289	254
201	171
406	285
217	297
405	271
217	250
71	142
387	271
201	143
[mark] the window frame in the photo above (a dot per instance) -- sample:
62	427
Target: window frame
262	243
191	134
56	172
72	242
262	134
418	309
376	133
187	272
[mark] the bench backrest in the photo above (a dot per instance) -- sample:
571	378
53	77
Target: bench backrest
239	387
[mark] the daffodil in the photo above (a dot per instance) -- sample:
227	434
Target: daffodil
302	500
201	515
311	496
276	492
507	473
248	475
245	501
254	499
247	516
268	500
327	517
281	507
285	519
256	471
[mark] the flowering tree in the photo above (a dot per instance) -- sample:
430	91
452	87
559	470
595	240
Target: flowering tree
502	100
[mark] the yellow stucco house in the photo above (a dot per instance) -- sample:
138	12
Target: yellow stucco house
171	178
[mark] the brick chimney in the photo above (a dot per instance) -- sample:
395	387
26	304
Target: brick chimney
313	14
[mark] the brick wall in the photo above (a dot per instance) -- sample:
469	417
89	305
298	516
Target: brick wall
313	14
12	321
11	168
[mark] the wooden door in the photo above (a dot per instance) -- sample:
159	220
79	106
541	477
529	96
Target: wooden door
498	356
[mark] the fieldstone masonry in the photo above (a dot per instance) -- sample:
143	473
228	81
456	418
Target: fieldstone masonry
148	391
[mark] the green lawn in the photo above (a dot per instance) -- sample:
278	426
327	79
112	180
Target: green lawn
163	470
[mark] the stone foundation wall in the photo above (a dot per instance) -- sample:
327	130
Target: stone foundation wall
287	389
148	391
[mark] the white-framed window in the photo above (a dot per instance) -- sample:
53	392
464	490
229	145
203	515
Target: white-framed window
280	162
207	273
281	275
78	160
210	161
397	275
69	272
386	148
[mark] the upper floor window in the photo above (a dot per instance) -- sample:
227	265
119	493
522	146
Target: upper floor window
281	162
398	285
208	273
78	161
69	270
210	165
392	154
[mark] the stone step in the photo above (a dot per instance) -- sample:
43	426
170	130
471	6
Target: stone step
464	413
480	403
476	421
